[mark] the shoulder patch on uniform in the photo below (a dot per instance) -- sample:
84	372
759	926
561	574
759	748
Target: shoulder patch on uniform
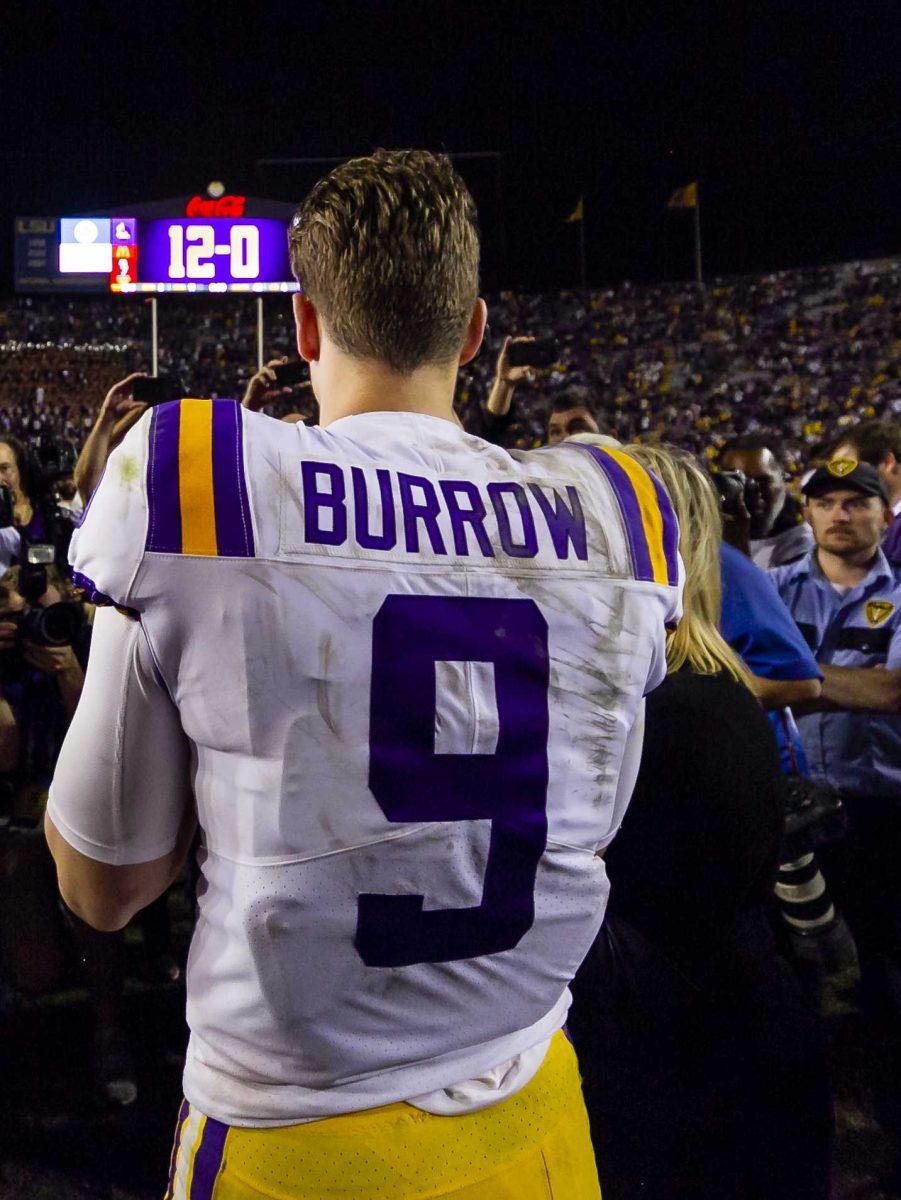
652	532
196	488
878	611
840	467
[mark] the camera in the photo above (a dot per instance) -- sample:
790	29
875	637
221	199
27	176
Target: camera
813	812
736	491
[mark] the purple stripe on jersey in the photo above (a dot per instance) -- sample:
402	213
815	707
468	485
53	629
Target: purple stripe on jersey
164	525
87	507
93	595
182	1114
234	533
670	531
628	504
208	1159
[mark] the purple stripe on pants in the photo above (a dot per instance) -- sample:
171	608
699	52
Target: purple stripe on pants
670	532
234	532
628	504
164	525
208	1159
182	1113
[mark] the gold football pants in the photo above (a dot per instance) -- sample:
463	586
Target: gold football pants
534	1146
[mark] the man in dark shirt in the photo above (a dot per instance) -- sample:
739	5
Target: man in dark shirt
778	532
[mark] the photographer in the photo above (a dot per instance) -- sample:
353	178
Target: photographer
765	514
44	643
15	474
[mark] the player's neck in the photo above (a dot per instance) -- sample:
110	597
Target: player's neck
351	388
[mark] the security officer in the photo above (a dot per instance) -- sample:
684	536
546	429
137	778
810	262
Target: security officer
846	600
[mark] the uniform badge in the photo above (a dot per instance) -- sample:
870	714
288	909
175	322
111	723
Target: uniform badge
840	467
878	611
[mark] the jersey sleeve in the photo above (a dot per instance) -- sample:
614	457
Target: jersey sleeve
122	781
108	546
757	624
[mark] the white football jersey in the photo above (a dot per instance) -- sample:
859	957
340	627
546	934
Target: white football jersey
401	670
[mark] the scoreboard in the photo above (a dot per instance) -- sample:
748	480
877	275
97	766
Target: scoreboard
196	244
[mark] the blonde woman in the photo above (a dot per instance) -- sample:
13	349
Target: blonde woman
702	1070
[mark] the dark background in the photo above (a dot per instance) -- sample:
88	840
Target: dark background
789	115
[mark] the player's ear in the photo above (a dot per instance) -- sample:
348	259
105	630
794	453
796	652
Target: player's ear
306	320
475	331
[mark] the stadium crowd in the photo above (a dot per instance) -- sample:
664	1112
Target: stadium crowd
771	377
799	354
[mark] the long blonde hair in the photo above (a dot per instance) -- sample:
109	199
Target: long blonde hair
697	641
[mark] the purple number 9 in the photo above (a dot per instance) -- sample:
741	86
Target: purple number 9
413	783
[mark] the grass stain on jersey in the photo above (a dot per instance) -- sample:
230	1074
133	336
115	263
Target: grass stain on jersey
129	471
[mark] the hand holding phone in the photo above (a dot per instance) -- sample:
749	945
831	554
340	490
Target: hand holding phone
534	352
290	374
156	389
275	379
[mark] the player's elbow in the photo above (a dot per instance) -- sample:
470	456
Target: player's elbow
100	913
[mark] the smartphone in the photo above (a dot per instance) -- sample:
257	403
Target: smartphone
290	374
156	389
540	353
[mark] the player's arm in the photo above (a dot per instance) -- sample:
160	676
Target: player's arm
107	897
121	816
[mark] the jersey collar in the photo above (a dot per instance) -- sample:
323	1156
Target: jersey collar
400	424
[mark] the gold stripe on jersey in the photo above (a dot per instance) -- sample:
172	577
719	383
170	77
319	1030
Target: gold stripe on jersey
195	477
649	506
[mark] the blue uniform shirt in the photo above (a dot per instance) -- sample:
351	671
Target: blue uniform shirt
757	625
858	752
759	628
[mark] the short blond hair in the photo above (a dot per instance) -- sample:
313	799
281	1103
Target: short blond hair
696	642
387	249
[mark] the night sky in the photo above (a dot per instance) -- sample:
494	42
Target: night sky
788	114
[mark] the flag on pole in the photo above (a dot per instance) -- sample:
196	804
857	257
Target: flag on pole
578	213
684	197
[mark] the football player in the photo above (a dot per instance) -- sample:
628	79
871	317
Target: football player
395	674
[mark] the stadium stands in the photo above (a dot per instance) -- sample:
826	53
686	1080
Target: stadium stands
799	353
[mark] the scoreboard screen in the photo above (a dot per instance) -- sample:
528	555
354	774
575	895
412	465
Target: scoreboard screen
209	246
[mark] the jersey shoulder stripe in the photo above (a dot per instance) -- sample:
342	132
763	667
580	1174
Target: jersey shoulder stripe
196	487
652	531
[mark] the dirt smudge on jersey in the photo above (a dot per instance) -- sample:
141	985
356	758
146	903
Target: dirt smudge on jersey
323	695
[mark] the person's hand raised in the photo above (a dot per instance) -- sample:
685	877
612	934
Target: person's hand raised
263	388
513	375
120	402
